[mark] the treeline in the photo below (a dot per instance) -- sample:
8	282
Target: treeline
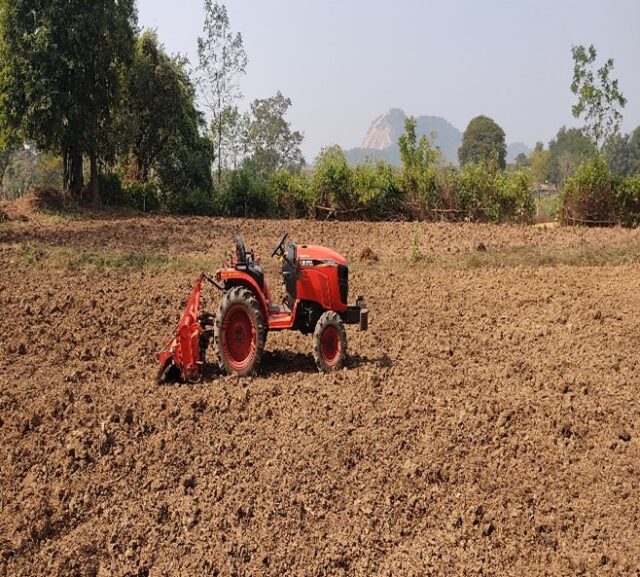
91	103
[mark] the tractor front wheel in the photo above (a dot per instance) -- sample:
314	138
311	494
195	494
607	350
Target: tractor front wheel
329	342
239	333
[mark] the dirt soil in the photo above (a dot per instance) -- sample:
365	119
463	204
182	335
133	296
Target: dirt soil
487	424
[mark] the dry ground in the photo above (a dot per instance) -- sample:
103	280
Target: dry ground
487	423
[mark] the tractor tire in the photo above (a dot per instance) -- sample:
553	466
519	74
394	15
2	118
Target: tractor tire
329	342
239	333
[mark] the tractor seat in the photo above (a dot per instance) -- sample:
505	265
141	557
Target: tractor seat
254	271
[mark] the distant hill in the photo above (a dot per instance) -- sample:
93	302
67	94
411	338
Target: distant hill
381	141
516	148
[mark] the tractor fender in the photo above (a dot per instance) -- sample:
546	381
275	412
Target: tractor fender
244	280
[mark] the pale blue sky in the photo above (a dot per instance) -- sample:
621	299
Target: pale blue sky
343	63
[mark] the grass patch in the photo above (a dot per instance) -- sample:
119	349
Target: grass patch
31	254
72	213
63	258
543	257
547	208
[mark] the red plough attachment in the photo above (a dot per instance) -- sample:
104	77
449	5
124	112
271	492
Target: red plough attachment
184	350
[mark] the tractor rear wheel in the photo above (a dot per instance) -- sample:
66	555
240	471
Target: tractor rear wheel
329	342
239	333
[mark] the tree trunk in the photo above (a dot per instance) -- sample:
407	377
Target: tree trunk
219	150
94	185
3	169
73	173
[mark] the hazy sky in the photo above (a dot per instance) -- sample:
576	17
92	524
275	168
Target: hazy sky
343	63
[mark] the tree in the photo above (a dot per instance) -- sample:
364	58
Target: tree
61	69
164	124
539	162
234	137
599	98
272	143
482	140
622	152
418	161
521	161
221	60
567	150
9	143
332	182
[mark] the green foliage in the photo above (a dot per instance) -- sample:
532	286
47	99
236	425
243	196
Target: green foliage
483	140
623	153
221	61
111	190
184	173
245	193
627	200
547	208
599	98
28	169
567	150
332	181
540	163
478	186
143	196
416	253
61	65
588	195
419	177
164	132
272	143
291	194
378	189
233	137
517	203
9	145
486	193
521	161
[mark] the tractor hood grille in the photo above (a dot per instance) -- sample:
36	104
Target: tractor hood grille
343	281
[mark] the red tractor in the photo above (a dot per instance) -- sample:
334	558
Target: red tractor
316	280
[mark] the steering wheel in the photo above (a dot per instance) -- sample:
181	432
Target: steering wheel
241	251
279	250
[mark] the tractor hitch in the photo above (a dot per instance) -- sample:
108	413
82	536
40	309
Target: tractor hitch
184	351
357	314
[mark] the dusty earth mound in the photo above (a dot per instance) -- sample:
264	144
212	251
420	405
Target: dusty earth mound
45	199
487	424
35	201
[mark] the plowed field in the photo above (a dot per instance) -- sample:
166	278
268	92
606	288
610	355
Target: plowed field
487	423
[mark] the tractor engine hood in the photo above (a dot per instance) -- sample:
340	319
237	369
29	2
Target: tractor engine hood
309	252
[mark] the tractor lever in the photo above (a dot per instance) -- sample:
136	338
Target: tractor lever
214	283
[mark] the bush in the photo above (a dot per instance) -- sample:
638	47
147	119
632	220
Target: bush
486	193
142	196
377	189
291	194
111	190
479	188
517	203
244	193
588	196
627	201
332	180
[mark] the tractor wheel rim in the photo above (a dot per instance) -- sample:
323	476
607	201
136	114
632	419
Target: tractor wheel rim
330	345
239	337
